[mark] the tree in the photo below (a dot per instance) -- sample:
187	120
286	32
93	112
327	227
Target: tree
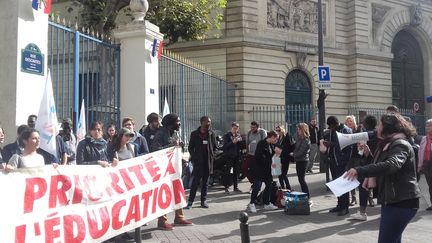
186	19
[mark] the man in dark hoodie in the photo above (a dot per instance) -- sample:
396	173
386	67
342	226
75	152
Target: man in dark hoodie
338	160
168	136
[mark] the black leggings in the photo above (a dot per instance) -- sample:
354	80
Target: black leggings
301	171
283	178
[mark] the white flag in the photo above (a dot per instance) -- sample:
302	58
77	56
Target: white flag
81	127
46	122
166	109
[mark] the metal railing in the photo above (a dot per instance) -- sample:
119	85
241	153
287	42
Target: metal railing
417	119
192	93
270	116
84	66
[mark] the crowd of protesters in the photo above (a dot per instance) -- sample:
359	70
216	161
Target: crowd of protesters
376	163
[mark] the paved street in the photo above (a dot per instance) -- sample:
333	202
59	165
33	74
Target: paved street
220	222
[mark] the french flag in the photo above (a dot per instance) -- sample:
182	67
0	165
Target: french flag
157	48
36	5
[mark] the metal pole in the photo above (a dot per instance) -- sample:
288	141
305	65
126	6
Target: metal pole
244	227
321	105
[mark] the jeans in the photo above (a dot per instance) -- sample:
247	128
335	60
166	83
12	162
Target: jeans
301	171
257	187
428	176
202	173
283	178
313	156
363	194
337	171
393	222
234	161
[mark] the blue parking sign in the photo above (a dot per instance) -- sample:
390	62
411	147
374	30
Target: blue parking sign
323	73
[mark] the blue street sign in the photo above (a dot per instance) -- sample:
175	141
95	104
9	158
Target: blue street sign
323	73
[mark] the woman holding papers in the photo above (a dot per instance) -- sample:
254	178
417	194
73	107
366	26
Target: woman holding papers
394	167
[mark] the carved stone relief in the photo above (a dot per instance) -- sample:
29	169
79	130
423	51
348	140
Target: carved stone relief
301	58
416	15
378	15
298	15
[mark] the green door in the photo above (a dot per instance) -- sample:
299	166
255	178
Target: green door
297	99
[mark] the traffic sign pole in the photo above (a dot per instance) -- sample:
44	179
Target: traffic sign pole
322	94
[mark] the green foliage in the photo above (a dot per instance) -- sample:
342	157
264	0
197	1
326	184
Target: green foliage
185	19
188	19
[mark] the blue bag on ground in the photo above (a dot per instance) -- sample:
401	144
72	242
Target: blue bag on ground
297	203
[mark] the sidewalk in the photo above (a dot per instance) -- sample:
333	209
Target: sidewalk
220	222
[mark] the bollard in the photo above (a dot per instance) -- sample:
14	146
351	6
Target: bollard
244	227
138	235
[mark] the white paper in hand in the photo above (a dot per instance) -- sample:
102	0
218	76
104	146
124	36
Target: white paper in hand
342	185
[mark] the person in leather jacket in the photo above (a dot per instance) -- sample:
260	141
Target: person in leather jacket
394	167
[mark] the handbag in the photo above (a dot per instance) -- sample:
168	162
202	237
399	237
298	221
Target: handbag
297	203
276	169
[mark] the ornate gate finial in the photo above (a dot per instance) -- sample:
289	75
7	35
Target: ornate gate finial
139	9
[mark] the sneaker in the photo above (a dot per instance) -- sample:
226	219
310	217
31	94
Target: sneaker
165	226
359	216
227	191
335	209
182	222
204	204
429	208
251	208
270	206
310	203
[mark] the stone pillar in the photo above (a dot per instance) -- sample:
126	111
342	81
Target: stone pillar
139	71
23	66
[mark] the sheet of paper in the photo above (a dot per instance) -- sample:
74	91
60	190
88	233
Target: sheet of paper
342	185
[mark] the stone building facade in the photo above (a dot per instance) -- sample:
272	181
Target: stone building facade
379	52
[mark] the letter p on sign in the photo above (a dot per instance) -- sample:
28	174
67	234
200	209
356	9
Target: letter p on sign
324	73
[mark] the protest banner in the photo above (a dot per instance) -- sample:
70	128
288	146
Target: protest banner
89	203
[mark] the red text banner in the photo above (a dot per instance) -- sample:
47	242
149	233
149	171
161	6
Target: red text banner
88	203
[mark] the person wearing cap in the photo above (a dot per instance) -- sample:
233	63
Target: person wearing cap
121	148
138	139
168	136
69	140
151	129
202	147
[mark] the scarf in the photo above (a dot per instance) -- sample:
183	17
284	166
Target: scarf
383	144
427	152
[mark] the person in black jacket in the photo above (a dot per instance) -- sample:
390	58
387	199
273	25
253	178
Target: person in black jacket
395	169
202	145
286	143
93	149
151	129
15	147
231	152
168	136
261	170
338	159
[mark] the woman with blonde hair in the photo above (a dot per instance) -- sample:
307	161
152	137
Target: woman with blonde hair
301	155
